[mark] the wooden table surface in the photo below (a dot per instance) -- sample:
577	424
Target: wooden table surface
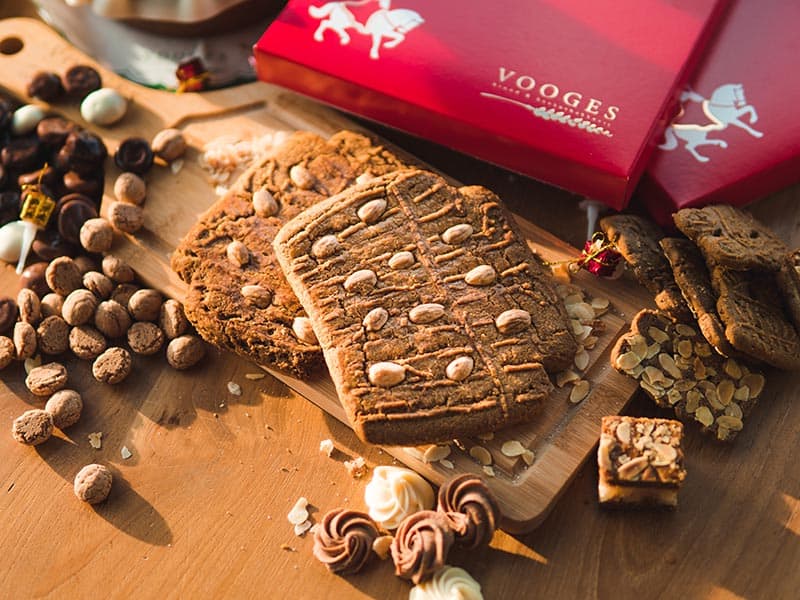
736	533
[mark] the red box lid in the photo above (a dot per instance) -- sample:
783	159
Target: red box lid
738	138
570	92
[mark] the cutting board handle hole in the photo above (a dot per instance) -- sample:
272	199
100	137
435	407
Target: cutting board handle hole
11	45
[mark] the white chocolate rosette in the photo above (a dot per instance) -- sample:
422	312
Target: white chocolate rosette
449	583
395	493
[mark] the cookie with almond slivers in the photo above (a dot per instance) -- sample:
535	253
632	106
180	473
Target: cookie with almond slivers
435	318
679	369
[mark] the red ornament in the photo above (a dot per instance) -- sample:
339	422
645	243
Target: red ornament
600	257
192	75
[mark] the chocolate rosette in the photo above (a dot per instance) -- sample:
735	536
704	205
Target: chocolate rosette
471	509
421	544
343	542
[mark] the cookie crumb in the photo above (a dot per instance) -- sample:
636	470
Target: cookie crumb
288	548
326	446
356	468
96	439
126	454
234	388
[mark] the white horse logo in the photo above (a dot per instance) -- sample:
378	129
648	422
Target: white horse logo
725	107
382	23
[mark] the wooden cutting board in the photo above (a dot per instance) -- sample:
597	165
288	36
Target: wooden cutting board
561	438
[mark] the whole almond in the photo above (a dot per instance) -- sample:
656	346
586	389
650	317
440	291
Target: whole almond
361	281
401	260
238	254
481	275
371	211
326	246
426	313
460	368
513	320
375	319
301	326
258	296
301	177
457	233
386	374
264	203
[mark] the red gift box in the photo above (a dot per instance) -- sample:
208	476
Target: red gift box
738	135
571	92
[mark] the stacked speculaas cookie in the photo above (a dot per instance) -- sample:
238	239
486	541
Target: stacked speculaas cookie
742	288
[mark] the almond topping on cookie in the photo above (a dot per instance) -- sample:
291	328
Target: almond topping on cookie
372	211
457	233
386	374
513	320
481	275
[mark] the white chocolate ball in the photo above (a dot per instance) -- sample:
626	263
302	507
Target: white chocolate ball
26	118
104	107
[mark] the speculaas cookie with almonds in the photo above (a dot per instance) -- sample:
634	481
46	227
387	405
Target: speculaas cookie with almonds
436	319
680	370
691	274
637	240
238	297
730	237
750	306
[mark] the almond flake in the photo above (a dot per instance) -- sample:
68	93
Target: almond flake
254	376
96	439
326	446
299	512
234	389
447	464
579	392
565	377
381	545
301	528
435	453
481	454
512	449
528	457
125	453
489	470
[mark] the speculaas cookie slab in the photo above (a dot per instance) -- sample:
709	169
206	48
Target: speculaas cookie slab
750	306
732	238
435	318
680	370
637	240
238	297
691	274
